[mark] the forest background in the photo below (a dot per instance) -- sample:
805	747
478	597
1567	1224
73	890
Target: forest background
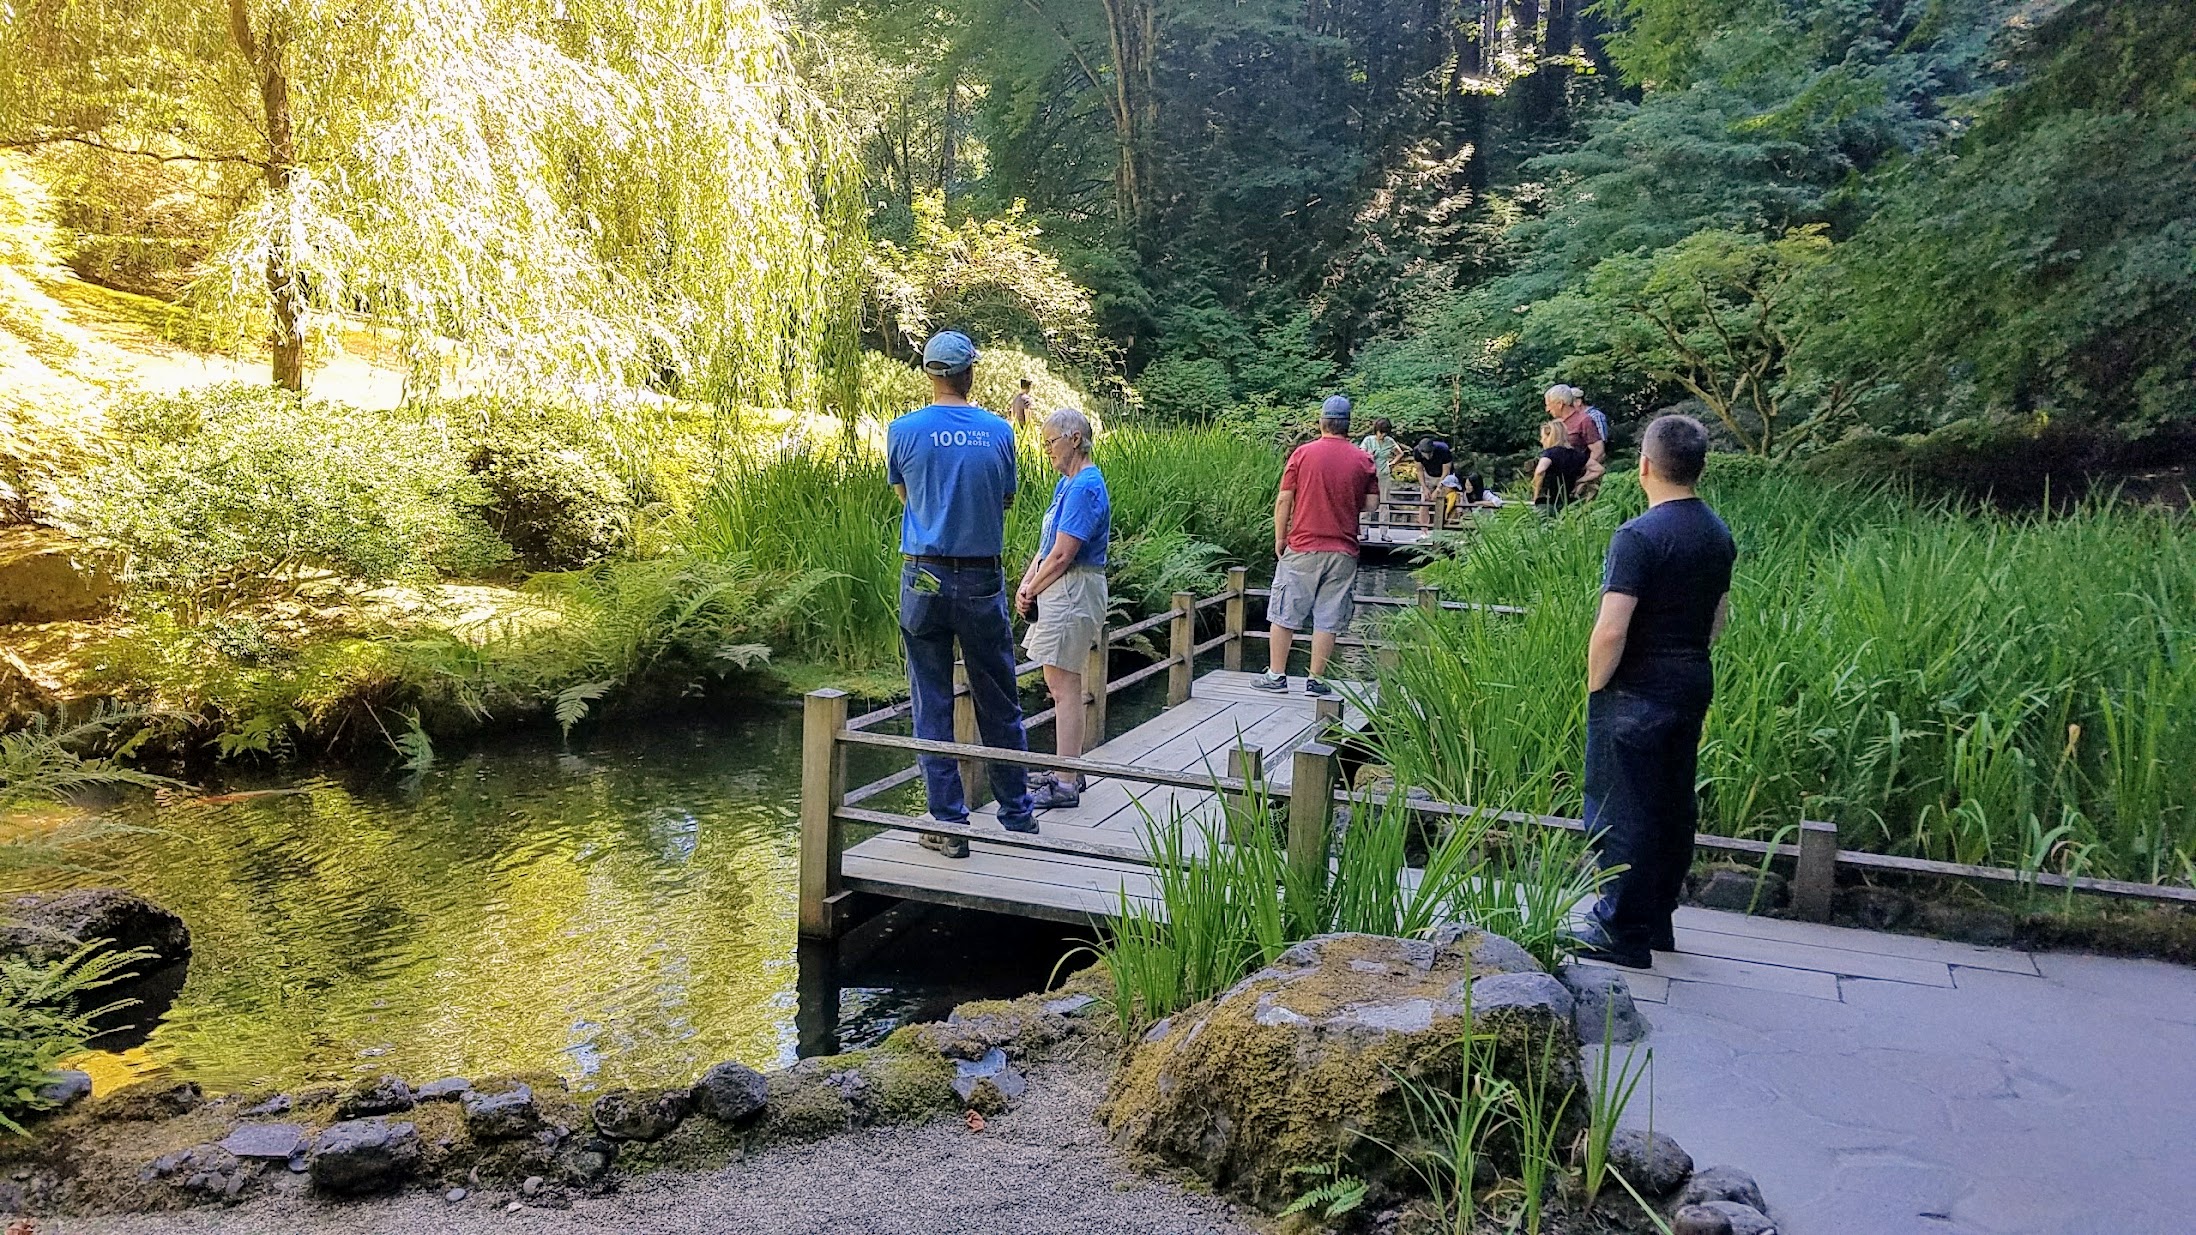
619	275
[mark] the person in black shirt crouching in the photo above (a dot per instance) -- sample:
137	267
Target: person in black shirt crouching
1664	599
1435	462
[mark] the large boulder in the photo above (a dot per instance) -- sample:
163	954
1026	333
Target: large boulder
730	1092
1304	1061
48	926
45	927
363	1155
47	577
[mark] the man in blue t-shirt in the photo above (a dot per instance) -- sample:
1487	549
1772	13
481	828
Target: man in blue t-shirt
1664	600
952	463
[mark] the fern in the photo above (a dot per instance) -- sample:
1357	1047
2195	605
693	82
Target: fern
1338	1195
572	703
42	1019
39	763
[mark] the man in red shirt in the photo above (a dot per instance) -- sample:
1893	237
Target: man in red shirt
1326	486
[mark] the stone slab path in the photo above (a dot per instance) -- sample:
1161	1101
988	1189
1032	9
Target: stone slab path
1885	1085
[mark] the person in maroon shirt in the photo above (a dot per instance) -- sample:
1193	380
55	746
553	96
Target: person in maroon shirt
1567	406
1327	484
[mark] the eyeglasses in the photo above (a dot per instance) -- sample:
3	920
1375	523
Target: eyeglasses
1057	437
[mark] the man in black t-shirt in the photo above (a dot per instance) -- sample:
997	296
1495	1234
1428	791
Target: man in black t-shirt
1434	463
1664	600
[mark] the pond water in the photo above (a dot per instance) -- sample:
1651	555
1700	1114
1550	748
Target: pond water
619	909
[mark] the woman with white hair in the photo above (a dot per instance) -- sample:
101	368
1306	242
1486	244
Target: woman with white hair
1063	592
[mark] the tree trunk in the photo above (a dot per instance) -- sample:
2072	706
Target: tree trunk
948	147
264	54
1132	31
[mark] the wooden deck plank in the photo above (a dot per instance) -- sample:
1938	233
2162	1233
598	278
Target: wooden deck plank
1222	712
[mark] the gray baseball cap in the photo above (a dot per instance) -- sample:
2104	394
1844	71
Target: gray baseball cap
948	351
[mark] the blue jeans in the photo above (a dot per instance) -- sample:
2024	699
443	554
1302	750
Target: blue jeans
1642	758
967	604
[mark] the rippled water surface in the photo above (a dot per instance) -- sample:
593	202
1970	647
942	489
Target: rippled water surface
618	911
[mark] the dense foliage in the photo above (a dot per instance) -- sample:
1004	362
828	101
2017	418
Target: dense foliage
598	194
1807	216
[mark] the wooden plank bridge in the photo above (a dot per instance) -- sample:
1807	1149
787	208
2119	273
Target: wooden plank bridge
1401	520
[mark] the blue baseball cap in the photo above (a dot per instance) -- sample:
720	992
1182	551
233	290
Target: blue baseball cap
948	351
1337	407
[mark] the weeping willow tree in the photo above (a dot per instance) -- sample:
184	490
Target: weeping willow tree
591	194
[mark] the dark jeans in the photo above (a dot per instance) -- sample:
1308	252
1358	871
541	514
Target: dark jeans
1642	757
968	604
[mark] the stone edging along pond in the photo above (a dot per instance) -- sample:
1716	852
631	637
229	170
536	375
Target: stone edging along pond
156	1146
1311	1059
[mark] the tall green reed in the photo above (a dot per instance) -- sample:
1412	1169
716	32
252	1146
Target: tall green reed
1228	900
1184	502
1943	683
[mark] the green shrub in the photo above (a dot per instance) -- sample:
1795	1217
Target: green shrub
1185	390
677	623
230	494
557	508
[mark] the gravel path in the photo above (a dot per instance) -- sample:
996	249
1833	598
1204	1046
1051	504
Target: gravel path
1043	1168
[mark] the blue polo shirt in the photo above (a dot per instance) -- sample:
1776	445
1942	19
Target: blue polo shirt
1081	508
959	469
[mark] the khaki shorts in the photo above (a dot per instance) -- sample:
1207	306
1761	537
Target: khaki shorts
1313	588
1069	614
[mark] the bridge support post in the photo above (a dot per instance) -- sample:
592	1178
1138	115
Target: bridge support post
1429	600
1247	764
975	784
823	789
1182	648
1231	652
1817	877
1095	668
1311	819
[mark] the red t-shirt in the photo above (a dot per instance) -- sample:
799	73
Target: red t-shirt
1331	477
1584	432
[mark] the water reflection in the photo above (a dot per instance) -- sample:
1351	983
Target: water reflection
620	912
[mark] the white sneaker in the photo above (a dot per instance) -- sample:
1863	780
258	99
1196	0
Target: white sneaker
1271	681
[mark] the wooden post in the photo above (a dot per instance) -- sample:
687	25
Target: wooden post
1311	813
1429	600
1329	713
975	785
1245	763
823	787
1095	669
1817	876
1182	648
1231	652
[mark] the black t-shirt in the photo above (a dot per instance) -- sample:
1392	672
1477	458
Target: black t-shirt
1565	465
1433	455
1677	560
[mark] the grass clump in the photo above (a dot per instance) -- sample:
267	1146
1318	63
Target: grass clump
1227	907
1941	682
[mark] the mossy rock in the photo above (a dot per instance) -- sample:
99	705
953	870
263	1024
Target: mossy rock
1304	1061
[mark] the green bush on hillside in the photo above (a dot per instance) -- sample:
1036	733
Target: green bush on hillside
219	497
556	506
